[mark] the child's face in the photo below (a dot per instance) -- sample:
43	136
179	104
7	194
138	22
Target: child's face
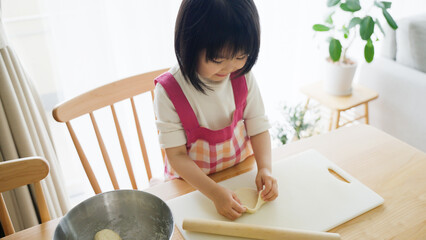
219	68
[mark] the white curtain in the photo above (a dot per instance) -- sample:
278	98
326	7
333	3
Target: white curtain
24	132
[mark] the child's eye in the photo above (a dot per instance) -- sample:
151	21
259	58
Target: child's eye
216	61
242	57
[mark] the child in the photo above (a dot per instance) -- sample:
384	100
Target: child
210	114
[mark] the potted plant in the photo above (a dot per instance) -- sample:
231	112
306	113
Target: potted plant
356	21
299	122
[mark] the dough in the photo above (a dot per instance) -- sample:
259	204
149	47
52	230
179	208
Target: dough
250	199
107	234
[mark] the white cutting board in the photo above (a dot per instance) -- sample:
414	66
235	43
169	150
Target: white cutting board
309	198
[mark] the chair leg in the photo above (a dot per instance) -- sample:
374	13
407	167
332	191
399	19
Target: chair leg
366	113
338	119
5	218
330	127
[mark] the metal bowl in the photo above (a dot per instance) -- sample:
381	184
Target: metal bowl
130	213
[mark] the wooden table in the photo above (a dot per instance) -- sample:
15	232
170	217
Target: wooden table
338	104
391	168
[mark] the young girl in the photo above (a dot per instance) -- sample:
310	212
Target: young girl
210	114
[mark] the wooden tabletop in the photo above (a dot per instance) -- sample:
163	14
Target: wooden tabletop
391	168
360	95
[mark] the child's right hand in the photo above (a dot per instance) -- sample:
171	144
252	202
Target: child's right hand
227	203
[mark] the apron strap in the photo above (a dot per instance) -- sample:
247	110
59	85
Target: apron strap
239	87
176	95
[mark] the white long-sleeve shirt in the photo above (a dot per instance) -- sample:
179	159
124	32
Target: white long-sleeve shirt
214	110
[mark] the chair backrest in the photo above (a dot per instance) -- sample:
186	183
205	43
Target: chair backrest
20	172
106	96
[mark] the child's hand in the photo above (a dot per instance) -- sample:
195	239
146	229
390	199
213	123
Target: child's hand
227	204
264	178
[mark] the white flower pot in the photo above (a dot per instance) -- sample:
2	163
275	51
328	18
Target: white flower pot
338	78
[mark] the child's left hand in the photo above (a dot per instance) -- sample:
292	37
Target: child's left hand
264	178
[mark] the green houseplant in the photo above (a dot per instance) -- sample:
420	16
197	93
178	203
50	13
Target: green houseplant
355	20
298	122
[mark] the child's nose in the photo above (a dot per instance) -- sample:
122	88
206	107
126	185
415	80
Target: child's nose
231	66
228	67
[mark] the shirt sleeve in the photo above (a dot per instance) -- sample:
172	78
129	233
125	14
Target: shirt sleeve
171	132
254	114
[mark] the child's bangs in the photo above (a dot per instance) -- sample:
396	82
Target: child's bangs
231	46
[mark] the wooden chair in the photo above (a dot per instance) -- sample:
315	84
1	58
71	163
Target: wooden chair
21	172
107	96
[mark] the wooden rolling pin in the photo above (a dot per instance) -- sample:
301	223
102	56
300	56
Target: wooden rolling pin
253	231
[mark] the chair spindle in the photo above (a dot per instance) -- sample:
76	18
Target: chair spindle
124	148
84	162
141	141
104	152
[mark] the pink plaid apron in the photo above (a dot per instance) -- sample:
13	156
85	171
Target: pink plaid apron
211	150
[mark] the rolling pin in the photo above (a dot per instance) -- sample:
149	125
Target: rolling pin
253	231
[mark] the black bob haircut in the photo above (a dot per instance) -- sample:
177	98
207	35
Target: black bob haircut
215	25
